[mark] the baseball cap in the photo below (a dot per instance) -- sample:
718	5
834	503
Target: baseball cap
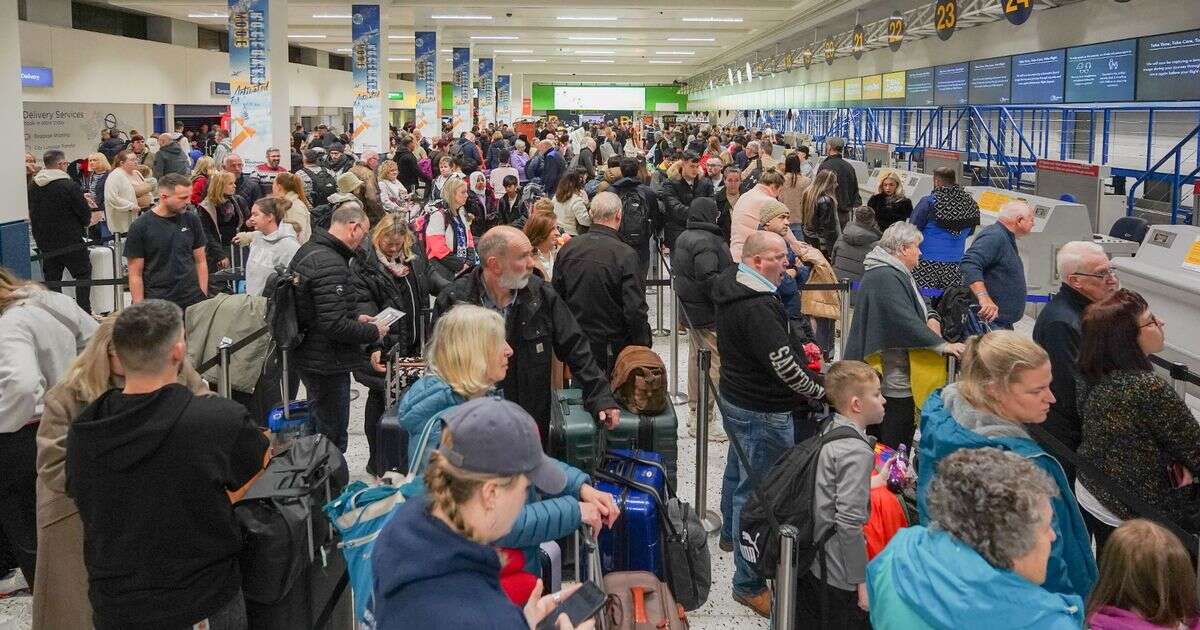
498	437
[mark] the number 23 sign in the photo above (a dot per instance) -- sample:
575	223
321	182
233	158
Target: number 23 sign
945	18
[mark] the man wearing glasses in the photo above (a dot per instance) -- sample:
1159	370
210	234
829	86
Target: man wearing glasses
1087	277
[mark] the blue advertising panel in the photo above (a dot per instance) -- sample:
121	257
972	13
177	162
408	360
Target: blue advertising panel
1038	77
365	73
504	112
487	92
461	75
250	80
425	82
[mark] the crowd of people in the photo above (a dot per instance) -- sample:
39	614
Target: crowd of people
516	262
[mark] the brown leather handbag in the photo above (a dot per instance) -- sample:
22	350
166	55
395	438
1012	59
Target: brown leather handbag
637	600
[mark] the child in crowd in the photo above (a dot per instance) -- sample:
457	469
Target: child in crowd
842	501
1147	582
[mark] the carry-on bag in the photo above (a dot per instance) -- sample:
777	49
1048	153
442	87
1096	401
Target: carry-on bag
574	435
391	439
359	515
634	542
636	600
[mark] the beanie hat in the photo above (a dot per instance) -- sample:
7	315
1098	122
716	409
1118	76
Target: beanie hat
770	210
347	182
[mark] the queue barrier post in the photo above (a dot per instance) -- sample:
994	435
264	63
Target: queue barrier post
659	331
118	290
224	387
951	368
677	396
711	520
843	329
1179	373
783	617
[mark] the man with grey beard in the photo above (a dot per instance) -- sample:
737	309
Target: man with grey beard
538	322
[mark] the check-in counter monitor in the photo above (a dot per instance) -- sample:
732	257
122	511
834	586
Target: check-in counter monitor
1166	271
916	185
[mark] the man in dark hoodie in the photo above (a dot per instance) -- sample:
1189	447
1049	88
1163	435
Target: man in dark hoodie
632	190
762	381
149	467
170	157
59	217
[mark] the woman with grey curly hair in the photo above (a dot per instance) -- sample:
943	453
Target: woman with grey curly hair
982	559
1004	385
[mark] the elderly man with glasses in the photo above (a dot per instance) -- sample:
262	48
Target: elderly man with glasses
1087	276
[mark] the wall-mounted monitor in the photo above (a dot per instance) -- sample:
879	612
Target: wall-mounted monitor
991	80
1101	72
613	98
854	89
950	84
1038	77
837	91
893	85
918	89
1169	67
872	88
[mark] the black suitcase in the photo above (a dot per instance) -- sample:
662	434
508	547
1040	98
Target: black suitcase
312	596
391	439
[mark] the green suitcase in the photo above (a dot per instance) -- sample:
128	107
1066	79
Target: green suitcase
574	439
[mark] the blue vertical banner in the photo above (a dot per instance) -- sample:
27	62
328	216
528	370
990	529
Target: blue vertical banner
249	79
461	70
487	92
429	91
365	73
504	99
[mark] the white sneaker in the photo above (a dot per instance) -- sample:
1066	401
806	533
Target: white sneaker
716	433
13	584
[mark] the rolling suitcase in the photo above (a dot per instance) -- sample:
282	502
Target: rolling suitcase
574	438
550	559
634	542
104	298
391	439
291	420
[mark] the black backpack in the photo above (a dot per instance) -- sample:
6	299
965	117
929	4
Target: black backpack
785	497
635	218
751	180
323	185
958	310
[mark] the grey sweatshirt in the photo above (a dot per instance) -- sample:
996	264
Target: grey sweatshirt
843	500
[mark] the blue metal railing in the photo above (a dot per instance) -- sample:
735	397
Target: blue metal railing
1176	177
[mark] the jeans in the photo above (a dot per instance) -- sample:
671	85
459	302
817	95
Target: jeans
79	263
18	496
329	403
764	436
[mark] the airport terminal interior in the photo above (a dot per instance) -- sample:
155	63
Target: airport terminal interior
790	314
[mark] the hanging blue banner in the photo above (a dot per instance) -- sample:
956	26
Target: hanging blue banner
461	119
250	80
504	112
487	93
429	92
365	72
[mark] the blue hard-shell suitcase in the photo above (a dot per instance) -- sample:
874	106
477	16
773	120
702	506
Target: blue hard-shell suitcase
637	481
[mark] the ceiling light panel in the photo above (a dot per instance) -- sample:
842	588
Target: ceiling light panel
588	18
711	19
461	17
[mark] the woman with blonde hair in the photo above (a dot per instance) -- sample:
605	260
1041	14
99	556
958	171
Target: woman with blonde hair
392	194
388	274
290	188
435	562
1004	384
466	357
41	331
368	192
222	212
449	244
889	202
201	174
60	590
1147	582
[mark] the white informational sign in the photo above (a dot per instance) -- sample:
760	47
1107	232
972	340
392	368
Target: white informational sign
74	128
600	98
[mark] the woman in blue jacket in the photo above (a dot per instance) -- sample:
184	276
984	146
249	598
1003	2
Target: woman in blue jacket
466	356
1004	383
947	218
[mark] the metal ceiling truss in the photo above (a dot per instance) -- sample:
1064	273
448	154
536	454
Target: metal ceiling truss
919	23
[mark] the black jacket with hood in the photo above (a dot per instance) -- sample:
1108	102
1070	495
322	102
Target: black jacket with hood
677	196
700	254
58	213
761	360
623	186
378	288
597	274
539	324
851	248
149	473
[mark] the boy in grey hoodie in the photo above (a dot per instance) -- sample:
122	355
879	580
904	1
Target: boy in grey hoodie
842	501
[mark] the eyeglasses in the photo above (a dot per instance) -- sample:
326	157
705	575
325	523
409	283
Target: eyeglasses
1106	274
1154	321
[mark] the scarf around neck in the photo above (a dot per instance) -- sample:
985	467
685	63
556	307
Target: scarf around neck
954	209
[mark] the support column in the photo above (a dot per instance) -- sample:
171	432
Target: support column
258	78
14	212
369	76
172	31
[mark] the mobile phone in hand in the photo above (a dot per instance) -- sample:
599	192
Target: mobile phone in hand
582	605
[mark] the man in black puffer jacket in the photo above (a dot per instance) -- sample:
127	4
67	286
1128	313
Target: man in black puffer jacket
326	311
678	195
628	187
700	255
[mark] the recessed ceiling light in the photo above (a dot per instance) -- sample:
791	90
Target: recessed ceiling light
464	17
596	61
399	59
342	50
306	37
331	16
595	52
674	52
591	39
447	50
588	18
209	14
402	36
529	61
691	39
499	37
711	19
664	61
511	51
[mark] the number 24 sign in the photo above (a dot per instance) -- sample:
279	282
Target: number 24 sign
1016	11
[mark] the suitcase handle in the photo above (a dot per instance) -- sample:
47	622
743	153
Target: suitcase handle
639	605
646	462
622	480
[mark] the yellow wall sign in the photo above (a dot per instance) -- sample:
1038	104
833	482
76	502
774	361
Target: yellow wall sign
872	87
990	201
893	85
854	89
837	91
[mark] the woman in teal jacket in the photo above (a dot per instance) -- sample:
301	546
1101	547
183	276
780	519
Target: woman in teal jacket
466	356
981	560
1005	383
